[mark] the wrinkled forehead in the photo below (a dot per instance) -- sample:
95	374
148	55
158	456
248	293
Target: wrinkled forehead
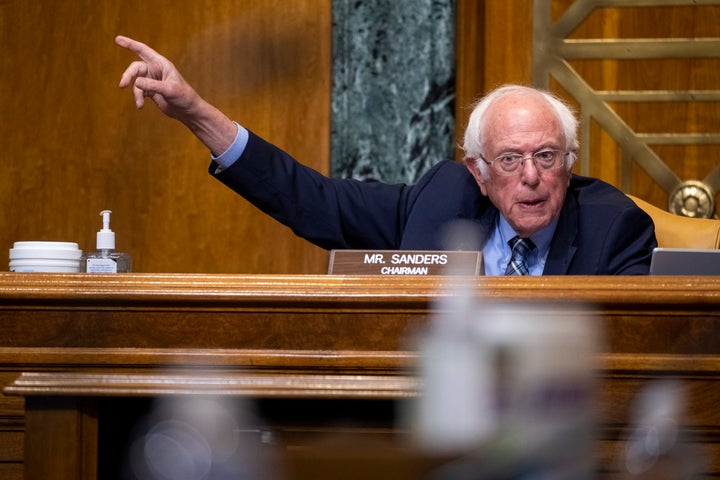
523	121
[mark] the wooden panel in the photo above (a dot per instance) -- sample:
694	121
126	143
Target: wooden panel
11	471
494	47
73	143
508	42
470	68
305	343
10	407
11	446
12	428
67	445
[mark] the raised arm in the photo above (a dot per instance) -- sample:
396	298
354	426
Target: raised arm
155	77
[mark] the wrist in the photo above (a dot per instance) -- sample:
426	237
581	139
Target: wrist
212	127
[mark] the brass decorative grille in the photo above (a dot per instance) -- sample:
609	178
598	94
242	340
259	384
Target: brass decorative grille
552	52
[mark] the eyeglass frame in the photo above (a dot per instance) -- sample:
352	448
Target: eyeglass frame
557	153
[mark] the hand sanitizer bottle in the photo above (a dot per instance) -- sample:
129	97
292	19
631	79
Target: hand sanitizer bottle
105	259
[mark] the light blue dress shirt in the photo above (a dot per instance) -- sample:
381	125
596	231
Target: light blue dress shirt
229	156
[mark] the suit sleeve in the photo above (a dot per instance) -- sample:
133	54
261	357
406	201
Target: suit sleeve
629	243
331	213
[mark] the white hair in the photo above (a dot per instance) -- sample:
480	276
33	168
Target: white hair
474	142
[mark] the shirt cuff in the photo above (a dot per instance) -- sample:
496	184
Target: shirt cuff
234	151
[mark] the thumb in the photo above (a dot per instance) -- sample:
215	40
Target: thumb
150	86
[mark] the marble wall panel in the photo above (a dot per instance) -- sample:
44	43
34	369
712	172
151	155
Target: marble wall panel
393	88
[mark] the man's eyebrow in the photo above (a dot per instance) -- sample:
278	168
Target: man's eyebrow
545	146
549	146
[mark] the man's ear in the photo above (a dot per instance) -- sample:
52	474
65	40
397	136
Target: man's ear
472	166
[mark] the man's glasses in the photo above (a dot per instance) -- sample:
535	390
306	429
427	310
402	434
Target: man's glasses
512	163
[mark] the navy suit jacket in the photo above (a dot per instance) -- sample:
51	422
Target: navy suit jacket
600	230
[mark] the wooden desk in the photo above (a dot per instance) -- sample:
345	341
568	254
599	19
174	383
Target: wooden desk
69	342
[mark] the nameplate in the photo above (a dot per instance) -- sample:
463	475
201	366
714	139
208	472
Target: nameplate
405	262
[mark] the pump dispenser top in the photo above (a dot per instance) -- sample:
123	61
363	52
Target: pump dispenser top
105	259
105	237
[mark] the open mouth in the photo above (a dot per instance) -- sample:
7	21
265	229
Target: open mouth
531	203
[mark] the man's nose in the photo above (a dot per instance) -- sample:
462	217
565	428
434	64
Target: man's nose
530	173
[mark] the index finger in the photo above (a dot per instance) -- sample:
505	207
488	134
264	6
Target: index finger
146	53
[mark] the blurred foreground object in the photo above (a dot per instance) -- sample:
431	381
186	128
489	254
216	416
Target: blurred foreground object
655	449
509	388
199	438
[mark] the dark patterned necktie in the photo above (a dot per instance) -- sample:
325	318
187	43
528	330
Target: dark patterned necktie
520	247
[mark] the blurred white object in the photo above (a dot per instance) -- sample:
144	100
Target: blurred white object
655	449
199	438
519	380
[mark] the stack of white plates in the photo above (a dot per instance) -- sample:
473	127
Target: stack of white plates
45	257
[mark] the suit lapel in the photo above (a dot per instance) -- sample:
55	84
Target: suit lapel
487	222
562	247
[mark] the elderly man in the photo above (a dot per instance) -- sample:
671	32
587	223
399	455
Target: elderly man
526	209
